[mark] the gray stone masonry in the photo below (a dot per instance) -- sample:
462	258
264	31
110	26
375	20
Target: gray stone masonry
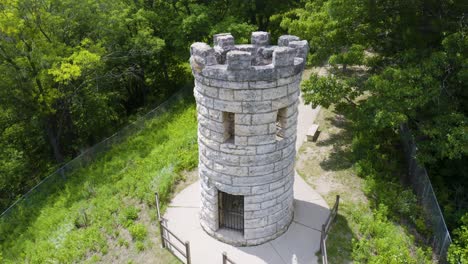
247	97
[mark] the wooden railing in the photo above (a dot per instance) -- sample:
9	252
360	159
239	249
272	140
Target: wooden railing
226	260
183	248
326	229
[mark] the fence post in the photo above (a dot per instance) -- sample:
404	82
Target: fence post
187	252
157	205
337	203
322	237
224	258
444	248
161	228
161	231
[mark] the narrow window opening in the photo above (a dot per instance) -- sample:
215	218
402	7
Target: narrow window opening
281	123
231	211
228	120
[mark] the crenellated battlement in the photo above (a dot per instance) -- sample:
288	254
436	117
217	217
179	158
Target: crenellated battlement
258	61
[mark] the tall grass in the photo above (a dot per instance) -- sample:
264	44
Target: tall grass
74	220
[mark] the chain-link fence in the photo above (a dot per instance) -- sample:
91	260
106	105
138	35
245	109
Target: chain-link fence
419	180
55	180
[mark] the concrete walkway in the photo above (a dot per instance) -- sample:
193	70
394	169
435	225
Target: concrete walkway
301	241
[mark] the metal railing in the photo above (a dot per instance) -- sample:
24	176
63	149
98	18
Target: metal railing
226	260
181	251
231	211
326	228
419	180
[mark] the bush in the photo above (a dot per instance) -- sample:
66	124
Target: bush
458	251
122	242
139	246
82	219
383	242
138	231
385	236
131	213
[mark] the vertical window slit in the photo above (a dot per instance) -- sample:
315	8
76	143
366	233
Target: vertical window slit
228	121
281	123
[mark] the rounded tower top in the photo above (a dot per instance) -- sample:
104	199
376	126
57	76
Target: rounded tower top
258	61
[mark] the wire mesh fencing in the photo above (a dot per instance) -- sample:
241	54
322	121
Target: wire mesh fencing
55	180
419	180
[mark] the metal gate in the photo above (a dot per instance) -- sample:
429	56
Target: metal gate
231	211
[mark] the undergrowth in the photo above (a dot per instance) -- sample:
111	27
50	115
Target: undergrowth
73	221
394	231
379	220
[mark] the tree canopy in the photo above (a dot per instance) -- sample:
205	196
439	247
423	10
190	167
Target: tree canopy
72	72
395	62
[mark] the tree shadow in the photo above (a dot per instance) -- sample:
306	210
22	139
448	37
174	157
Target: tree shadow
302	239
340	157
339	242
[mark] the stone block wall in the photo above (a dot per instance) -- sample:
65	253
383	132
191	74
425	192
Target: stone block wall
247	97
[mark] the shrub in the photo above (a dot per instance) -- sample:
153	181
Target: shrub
379	163
458	251
122	242
383	242
131	213
138	231
139	246
82	219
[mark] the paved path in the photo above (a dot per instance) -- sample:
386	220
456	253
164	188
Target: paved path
301	241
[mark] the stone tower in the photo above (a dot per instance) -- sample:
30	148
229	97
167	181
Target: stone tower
247	97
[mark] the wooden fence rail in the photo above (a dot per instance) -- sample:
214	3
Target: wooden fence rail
226	260
183	248
184	252
326	228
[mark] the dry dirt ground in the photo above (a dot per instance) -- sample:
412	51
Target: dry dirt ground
325	164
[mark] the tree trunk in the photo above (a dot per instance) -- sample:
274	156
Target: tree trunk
165	73
54	140
49	121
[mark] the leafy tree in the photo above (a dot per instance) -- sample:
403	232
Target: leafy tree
72	72
401	62
458	251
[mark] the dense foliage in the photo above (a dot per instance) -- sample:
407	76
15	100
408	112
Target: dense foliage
72	72
373	203
458	252
395	62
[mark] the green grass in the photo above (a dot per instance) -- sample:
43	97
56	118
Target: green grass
104	212
365	231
